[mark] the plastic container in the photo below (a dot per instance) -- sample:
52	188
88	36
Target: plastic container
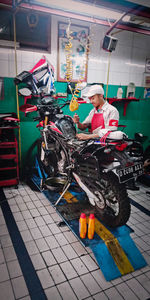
82	226
119	93
91	226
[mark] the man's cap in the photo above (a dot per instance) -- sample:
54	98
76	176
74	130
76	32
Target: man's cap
94	89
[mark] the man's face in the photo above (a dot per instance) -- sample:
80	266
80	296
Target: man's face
95	100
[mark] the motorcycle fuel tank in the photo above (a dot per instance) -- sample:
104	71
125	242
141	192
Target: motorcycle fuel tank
66	126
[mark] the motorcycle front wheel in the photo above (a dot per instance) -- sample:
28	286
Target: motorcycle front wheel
48	160
114	205
53	162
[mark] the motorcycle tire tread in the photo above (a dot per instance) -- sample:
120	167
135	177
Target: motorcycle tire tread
122	199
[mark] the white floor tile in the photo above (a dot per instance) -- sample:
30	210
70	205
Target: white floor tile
66	269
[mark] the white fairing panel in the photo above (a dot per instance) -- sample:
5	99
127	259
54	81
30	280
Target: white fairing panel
117	135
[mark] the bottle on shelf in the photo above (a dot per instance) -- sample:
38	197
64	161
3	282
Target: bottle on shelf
119	93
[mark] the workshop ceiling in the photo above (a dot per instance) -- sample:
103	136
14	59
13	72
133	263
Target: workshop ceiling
129	15
139	15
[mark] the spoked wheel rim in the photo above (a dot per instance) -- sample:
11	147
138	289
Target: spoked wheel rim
117	209
49	169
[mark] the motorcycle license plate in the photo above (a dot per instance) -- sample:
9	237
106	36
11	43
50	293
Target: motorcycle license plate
130	172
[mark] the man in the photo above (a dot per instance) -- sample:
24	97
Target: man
102	119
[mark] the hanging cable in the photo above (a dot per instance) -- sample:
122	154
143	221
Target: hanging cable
108	74
17	98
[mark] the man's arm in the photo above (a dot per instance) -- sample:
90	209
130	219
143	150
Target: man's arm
112	122
84	136
76	120
82	126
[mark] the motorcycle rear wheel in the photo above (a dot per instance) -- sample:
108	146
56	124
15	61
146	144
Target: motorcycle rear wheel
114	207
146	157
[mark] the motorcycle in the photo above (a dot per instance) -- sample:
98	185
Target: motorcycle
8	120
100	167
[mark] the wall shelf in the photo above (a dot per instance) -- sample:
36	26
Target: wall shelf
126	101
9	167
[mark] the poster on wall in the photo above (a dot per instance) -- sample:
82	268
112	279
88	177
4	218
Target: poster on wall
78	52
147	65
1	88
147	81
147	87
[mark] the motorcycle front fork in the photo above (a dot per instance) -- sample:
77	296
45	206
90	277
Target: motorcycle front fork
45	139
68	183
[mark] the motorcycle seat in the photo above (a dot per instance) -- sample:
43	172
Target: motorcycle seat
116	135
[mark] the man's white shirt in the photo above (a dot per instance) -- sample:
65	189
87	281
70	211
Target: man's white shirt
110	115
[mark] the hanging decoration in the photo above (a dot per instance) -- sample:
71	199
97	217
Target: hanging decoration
81	56
74	104
32	20
68	51
75	37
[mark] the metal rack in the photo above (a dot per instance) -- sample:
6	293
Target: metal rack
9	162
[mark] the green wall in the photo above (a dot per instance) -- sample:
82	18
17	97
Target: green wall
137	116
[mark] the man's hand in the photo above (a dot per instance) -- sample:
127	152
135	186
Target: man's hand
84	136
76	119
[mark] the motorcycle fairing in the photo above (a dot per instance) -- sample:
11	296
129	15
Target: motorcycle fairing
39	79
41	63
54	127
43	73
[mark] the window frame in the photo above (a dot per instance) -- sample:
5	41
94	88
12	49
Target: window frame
28	45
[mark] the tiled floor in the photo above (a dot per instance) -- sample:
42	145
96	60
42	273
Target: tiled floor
65	268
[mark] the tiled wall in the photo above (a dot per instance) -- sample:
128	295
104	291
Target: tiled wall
127	62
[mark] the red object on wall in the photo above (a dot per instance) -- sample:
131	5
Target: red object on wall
9	162
125	100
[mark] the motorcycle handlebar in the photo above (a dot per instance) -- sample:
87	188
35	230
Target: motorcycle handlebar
36	119
49	105
66	103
